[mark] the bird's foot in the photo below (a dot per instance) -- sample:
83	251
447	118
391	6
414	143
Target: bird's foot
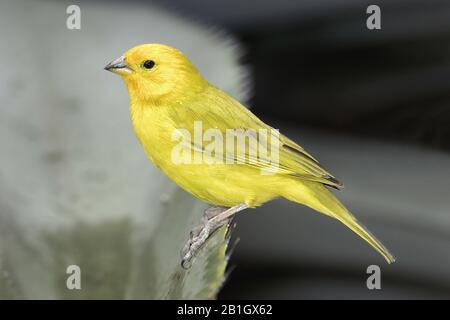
213	219
201	233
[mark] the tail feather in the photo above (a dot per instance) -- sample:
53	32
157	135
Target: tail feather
318	197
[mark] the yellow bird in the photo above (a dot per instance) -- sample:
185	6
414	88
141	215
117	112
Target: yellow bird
170	102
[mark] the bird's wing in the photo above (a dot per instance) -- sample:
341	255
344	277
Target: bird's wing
224	113
301	158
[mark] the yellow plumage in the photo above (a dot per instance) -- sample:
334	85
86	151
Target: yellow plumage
168	93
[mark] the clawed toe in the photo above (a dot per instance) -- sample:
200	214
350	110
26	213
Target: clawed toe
198	237
213	219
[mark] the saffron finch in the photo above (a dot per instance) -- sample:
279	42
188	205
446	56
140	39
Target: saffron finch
170	101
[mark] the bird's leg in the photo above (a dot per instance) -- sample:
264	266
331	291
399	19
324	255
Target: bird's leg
213	219
209	213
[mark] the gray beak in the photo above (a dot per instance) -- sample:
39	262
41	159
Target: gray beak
118	66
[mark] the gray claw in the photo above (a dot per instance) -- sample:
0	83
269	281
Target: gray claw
196	242
213	219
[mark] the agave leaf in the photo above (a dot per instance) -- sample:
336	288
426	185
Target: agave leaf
75	186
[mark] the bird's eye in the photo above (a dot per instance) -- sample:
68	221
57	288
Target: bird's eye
148	64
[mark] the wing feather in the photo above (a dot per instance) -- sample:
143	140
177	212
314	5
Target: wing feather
225	113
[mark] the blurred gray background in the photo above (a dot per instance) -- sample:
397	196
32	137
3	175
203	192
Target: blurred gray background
372	106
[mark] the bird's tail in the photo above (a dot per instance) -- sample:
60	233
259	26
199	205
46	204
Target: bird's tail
318	197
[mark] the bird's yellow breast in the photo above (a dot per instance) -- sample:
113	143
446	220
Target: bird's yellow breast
218	184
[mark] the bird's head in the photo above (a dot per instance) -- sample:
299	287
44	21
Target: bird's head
156	72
